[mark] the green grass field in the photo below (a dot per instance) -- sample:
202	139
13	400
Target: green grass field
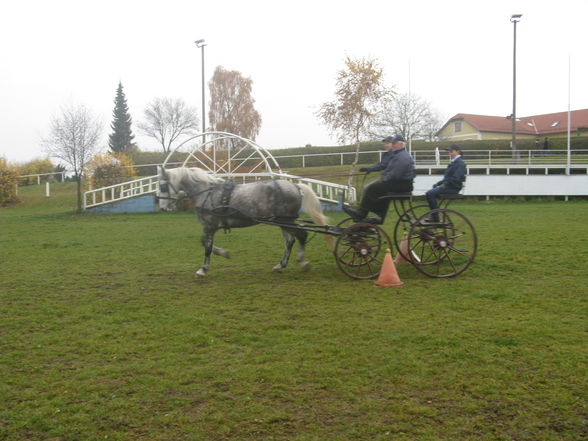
107	335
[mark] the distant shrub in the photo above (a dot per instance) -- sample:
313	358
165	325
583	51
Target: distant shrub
110	169
144	161
8	183
36	167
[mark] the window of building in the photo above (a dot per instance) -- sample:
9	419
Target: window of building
554	124
457	127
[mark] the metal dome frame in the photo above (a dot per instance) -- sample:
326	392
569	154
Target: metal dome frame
232	163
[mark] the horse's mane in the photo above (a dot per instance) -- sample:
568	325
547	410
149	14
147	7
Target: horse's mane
198	174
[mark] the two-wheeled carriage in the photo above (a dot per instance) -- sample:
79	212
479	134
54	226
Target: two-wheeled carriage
437	249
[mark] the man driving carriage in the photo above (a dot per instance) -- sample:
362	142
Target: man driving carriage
397	176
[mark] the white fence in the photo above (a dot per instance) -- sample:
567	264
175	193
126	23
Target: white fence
119	192
326	191
40	175
515	185
492	159
486	170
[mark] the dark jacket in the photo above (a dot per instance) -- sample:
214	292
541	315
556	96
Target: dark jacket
454	176
397	165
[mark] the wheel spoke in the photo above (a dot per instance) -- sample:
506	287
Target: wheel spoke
445	249
359	250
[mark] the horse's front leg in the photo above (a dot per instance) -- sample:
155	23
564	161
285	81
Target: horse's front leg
208	244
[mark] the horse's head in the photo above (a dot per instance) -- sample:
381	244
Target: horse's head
169	189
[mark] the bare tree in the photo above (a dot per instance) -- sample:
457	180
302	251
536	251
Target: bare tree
359	90
167	119
73	139
432	125
231	104
408	115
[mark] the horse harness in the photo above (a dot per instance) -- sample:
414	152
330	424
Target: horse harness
223	209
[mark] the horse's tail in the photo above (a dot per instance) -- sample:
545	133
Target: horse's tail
312	205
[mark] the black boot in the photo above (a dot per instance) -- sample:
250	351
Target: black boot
376	219
357	214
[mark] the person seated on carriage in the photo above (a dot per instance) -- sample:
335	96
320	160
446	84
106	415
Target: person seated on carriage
452	182
397	176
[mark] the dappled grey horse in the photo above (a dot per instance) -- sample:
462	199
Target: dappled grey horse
223	204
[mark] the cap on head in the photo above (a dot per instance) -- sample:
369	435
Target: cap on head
453	147
394	138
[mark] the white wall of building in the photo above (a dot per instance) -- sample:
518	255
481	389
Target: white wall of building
514	185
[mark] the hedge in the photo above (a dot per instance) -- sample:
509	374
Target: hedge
577	143
8	182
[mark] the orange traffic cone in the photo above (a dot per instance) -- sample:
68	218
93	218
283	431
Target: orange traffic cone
403	252
388	274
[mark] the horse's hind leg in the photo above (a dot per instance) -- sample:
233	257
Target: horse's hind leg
301	235
290	236
289	240
221	252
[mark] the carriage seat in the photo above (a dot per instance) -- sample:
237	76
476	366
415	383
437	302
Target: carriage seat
397	196
451	196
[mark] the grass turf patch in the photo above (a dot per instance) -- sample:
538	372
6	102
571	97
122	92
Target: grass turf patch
107	334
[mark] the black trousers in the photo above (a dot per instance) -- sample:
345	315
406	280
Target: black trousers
372	192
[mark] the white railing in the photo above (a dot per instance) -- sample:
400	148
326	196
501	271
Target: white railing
494	159
40	175
119	192
508	158
326	191
329	192
490	158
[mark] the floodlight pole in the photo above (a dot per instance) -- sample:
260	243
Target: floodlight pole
200	44
514	20
569	153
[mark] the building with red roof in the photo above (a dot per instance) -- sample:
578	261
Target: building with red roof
464	126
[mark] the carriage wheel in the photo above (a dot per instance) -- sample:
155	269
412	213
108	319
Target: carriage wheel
442	249
402	228
360	250
345	223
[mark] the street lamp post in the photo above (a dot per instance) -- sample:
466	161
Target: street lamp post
200	44
514	20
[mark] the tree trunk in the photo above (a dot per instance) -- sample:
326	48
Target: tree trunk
352	171
79	188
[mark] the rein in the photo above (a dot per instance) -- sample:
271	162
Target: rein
165	188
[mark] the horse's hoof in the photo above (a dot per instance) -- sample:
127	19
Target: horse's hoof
305	265
278	268
226	254
200	273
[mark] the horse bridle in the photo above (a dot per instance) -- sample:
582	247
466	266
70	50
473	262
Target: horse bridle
166	185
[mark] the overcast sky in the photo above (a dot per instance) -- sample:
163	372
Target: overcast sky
457	55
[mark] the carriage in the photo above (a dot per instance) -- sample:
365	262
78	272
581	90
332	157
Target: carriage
441	249
437	249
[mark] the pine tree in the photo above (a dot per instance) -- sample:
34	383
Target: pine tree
122	136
